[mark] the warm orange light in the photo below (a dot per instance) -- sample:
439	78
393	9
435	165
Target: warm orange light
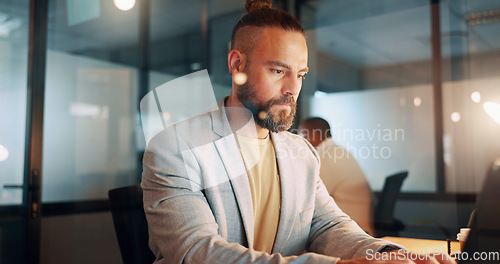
455	117
417	101
240	78
166	115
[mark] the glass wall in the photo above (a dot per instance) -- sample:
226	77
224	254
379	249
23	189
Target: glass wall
14	27
372	78
90	143
90	102
371	62
471	94
14	18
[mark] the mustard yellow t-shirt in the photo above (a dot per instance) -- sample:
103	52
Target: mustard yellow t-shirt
262	169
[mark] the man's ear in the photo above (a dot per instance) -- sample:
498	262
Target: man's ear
236	61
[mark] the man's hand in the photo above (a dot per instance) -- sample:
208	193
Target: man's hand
401	257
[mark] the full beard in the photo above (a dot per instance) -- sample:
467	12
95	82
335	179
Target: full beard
274	122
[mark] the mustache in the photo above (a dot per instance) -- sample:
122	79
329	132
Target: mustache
285	99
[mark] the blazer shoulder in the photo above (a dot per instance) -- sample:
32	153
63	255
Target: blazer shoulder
189	129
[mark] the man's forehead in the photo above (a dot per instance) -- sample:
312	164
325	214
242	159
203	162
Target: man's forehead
277	34
281	48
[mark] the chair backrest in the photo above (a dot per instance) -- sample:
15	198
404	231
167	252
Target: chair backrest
384	211
130	224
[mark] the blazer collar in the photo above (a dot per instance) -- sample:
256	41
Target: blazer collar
235	168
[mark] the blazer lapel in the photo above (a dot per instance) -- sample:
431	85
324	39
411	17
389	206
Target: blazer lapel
230	155
288	191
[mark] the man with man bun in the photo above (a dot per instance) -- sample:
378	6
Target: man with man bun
232	185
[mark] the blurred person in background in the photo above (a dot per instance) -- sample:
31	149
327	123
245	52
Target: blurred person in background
340	172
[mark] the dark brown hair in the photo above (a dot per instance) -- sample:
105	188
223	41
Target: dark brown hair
313	123
261	14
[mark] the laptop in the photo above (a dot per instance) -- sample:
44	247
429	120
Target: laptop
483	241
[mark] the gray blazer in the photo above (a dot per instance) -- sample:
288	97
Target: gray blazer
198	203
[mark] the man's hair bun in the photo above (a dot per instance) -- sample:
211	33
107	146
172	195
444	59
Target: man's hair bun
252	5
262	15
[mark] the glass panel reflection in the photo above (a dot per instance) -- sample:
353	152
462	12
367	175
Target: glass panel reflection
372	66
90	103
13	83
14	28
471	97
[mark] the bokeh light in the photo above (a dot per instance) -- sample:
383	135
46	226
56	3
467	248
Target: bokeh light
455	117
124	5
240	78
4	153
417	101
476	97
493	110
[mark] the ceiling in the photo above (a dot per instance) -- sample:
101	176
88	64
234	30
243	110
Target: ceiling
383	32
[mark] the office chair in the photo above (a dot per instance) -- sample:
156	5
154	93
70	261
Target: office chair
385	223
130	224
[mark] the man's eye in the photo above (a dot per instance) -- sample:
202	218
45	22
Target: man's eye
303	76
278	71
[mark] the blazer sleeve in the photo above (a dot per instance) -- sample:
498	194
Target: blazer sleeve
182	226
334	233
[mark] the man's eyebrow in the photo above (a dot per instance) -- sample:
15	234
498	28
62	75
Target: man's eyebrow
284	65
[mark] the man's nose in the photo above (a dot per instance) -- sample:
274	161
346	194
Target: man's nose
292	86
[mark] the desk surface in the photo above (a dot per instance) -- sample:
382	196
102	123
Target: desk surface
418	245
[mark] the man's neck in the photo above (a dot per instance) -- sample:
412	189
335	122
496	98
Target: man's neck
242	121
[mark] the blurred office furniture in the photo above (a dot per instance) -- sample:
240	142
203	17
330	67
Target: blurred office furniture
385	223
485	220
130	224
